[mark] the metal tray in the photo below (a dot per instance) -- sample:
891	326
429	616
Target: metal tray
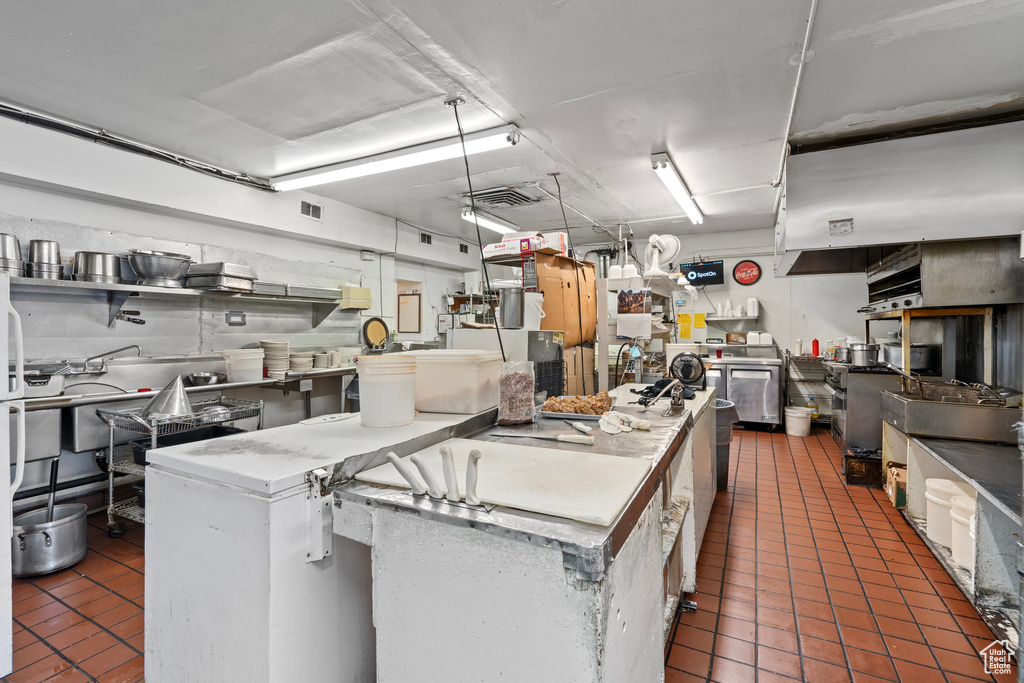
573	416
314	292
219	282
221	268
270	288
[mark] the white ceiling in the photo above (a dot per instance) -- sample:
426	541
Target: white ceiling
266	88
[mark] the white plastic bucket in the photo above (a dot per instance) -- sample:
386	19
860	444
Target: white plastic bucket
387	389
798	421
962	543
938	493
533	311
459	381
243	365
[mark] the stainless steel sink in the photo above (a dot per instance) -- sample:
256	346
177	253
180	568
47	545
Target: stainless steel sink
83	431
950	420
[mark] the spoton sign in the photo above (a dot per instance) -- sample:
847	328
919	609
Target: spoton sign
706	273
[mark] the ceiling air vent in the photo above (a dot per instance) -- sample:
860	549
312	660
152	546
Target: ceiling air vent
463	248
503	197
311	210
424	238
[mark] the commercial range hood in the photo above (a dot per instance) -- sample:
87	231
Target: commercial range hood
842	206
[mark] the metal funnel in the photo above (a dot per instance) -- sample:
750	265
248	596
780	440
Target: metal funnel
172	401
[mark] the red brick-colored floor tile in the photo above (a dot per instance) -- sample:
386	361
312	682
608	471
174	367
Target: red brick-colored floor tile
129	672
105	661
735	649
728	671
821	672
779	661
40	670
689	660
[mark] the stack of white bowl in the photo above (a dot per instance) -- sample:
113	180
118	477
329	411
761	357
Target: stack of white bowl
334	359
275	357
301	362
321	361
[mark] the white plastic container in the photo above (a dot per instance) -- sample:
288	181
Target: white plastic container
459	381
938	493
753	307
387	389
533	311
962	541
753	338
766	339
798	421
243	365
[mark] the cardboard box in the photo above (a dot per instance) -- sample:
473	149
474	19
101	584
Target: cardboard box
579	368
896	485
355	303
565	308
513	247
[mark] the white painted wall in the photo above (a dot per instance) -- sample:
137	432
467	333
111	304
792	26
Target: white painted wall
802	307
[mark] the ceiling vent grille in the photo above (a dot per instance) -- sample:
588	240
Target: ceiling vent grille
463	248
311	210
424	238
503	197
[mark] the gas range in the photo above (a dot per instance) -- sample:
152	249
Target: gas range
836	373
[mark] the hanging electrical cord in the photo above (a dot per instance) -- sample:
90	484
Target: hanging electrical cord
488	292
579	298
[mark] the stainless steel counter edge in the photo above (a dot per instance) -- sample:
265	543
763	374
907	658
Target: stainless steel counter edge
587	549
740	360
50	402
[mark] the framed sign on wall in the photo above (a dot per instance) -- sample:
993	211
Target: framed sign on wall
409	313
746	272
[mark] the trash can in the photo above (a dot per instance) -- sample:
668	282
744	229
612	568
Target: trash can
725	417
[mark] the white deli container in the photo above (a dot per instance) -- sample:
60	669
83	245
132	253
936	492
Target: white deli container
243	365
938	494
962	542
463	382
387	389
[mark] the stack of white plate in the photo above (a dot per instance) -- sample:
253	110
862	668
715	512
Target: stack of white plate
334	359
275	357
321	360
301	362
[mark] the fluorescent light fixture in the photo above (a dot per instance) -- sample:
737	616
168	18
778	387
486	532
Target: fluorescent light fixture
490	222
439	150
674	182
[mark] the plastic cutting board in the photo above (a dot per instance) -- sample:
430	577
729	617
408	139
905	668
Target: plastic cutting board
587	487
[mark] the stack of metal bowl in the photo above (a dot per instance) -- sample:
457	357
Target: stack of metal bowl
44	260
10	255
97	266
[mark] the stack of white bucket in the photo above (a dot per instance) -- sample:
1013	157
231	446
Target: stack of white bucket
951	518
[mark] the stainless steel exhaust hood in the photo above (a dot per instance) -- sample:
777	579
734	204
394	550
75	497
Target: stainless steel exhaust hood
963	184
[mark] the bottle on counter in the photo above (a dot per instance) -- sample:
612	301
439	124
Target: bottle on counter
815	348
813	405
798	347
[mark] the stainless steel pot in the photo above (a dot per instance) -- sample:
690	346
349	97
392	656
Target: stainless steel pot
863	355
97	266
10	247
41	547
842	354
922	356
44	251
510	317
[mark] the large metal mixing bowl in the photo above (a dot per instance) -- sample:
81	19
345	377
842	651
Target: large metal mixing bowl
159	268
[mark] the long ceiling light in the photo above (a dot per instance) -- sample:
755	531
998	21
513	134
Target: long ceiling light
674	182
490	222
439	150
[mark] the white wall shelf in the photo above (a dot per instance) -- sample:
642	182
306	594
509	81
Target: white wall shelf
724	319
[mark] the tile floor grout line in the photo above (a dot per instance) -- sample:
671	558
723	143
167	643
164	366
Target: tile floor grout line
47	643
789	564
857	510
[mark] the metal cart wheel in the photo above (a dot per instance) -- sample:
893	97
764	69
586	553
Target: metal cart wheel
116	530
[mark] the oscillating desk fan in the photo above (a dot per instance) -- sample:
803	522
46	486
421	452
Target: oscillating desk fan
689	369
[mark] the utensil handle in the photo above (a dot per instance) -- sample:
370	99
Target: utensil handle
433	490
451	480
472	472
407	473
576	438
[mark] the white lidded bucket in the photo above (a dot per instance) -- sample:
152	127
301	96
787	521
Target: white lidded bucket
459	381
243	365
798	421
938	493
387	389
962	542
533	311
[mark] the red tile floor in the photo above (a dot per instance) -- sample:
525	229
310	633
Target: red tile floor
84	623
800	578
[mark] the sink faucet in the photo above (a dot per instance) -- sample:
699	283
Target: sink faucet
103	366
